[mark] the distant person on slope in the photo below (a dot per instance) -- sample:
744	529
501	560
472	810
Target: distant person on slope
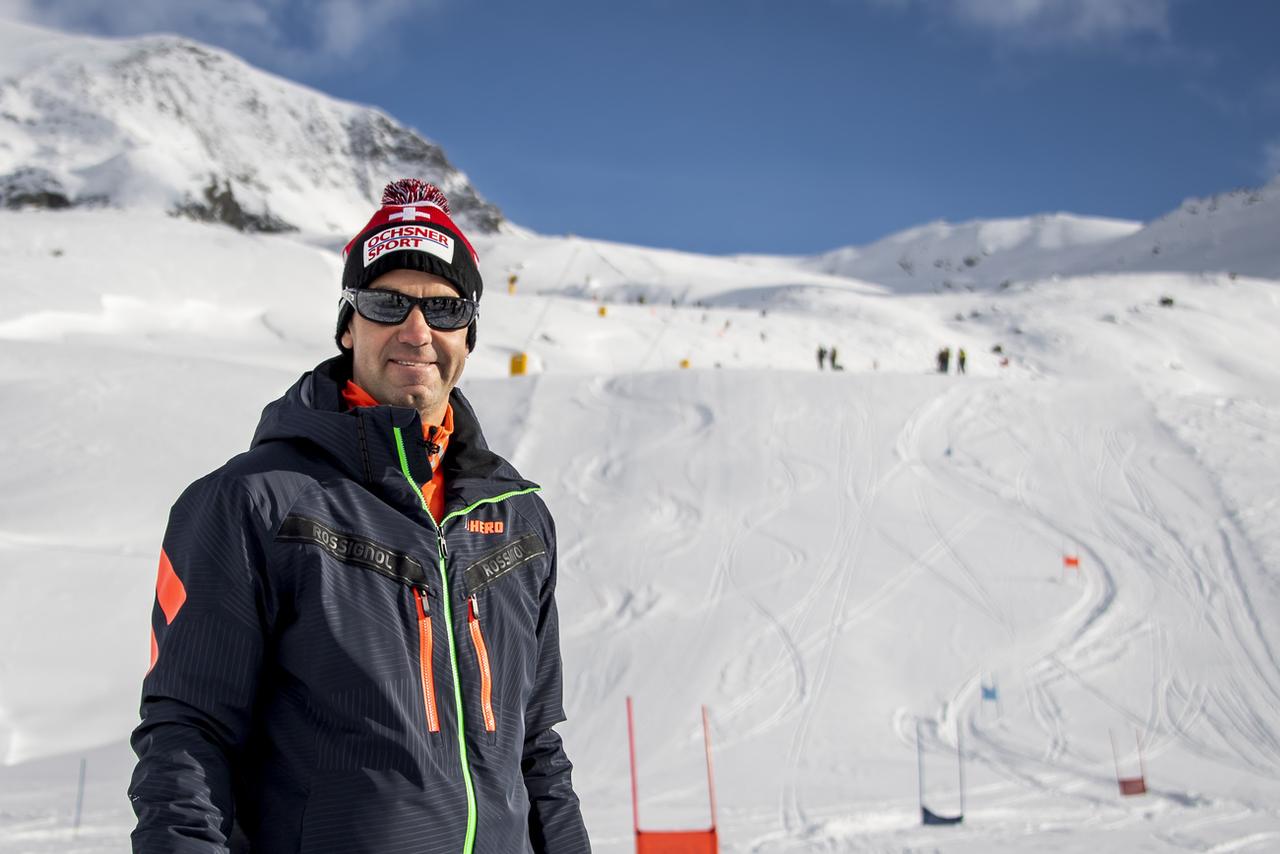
354	642
960	360
822	357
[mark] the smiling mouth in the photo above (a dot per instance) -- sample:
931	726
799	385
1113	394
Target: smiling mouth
410	364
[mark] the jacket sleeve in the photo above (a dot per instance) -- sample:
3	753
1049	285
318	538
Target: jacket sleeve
208	626
555	818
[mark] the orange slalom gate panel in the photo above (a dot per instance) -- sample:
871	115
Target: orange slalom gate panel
1135	786
673	841
677	842
1071	561
1130	785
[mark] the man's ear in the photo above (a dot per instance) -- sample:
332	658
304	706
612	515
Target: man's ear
347	340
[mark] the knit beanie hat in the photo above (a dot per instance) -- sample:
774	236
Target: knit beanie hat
413	231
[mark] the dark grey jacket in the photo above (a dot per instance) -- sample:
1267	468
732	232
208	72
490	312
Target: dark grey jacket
334	671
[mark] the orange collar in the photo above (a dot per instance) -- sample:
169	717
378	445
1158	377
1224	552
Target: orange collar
438	434
353	396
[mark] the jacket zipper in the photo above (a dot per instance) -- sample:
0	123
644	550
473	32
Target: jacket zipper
482	658
469	843
424	660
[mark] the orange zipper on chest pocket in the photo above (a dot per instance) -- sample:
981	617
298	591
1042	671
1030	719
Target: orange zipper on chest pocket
424	661
486	674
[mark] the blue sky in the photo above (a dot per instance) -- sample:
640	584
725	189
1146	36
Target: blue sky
792	128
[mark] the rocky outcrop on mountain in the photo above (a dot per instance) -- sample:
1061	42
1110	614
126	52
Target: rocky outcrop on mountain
30	187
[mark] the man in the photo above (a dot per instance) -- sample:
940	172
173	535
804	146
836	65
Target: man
355	641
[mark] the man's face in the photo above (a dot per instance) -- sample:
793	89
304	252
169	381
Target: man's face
408	364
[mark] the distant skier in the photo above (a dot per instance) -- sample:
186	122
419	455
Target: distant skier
942	368
822	357
960	359
835	366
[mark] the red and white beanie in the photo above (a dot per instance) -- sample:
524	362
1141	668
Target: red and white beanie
413	231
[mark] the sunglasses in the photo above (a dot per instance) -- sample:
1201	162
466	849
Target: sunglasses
392	307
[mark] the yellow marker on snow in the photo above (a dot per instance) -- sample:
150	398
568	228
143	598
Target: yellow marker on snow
519	364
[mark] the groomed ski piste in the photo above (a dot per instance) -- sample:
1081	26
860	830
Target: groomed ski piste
829	561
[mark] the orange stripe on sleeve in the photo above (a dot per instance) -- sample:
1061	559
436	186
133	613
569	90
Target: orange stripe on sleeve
169	590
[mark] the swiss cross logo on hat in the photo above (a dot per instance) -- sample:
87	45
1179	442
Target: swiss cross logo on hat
409	214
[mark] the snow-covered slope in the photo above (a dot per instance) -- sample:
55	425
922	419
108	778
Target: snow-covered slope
617	272
851	555
163	123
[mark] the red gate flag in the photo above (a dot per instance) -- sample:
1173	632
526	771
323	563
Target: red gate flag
673	841
676	842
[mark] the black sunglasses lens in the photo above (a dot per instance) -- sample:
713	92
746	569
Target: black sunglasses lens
448	312
383	306
391	307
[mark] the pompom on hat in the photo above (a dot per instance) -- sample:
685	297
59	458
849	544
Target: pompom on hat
411	231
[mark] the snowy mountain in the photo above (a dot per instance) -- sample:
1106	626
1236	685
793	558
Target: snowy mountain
164	123
982	254
1232	232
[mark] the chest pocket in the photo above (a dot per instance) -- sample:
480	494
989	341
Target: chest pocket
353	550
505	559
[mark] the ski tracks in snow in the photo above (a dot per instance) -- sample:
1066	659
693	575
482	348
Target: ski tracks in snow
1106	500
1155	584
792	658
837	565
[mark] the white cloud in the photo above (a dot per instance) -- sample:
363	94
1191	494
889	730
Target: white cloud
278	34
1271	160
1052	21
346	26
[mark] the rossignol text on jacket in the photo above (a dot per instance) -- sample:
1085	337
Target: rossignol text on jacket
336	672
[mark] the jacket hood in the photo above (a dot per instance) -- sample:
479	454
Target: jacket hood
362	443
